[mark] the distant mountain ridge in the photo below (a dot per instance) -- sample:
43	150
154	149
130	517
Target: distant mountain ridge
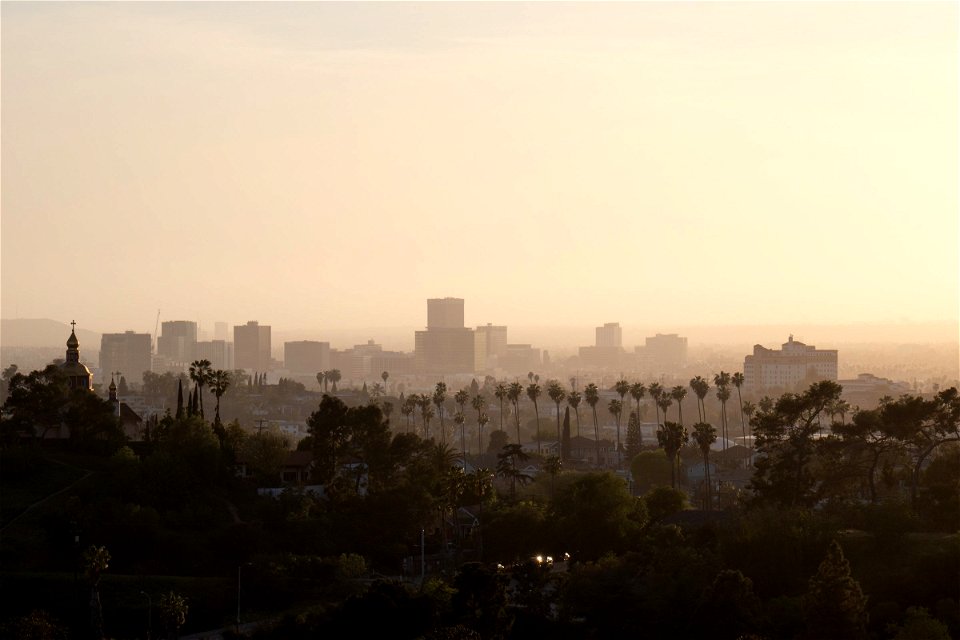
43	332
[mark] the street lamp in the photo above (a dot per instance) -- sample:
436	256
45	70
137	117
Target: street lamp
239	569
149	613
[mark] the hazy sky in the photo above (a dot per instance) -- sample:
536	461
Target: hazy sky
327	165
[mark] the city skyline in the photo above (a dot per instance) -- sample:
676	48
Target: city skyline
327	164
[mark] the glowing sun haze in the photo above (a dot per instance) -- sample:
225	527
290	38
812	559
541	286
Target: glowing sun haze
333	165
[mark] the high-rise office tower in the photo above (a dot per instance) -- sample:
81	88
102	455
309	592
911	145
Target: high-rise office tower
128	353
177	341
445	313
251	346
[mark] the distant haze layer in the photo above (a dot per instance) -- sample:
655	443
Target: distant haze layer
562	340
332	165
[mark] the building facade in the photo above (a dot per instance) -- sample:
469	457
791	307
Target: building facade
450	351
127	352
445	313
251	346
793	364
496	337
177	341
218	352
610	335
306	356
665	352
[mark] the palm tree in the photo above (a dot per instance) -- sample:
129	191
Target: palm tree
656	392
842	408
678	393
423	401
200	375
461	397
748	410
664	403
508	466
592	395
406	409
637	391
672	437
322	379
385	375
460	420
219	382
482	420
573	399
533	392
428	414
700	387
479	403
501	394
439	397
722	381
376	391
737	379
723	394
557	394
334	376
553	465
704	434
513	394
622	387
616	408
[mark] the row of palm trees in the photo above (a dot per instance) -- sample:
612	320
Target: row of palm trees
512	393
332	376
202	374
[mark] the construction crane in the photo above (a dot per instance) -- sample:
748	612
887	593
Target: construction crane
156	326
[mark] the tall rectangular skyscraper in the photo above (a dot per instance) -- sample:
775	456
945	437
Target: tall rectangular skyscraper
610	335
128	353
177	341
445	313
251	346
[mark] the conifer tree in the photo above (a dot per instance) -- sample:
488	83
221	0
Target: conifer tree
835	606
179	399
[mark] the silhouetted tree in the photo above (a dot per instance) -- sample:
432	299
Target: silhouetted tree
334	376
700	387
704	434
439	398
678	393
834	605
200	375
219	383
616	409
501	394
513	394
557	394
592	395
533	392
637	391
573	400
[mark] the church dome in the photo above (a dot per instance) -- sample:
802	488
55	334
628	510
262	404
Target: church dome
72	342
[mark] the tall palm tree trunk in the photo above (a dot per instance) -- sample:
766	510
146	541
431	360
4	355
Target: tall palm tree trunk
536	411
596	434
516	413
